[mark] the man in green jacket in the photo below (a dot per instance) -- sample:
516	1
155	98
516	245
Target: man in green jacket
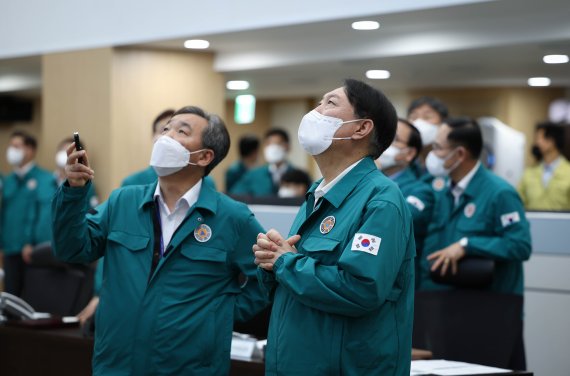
476	214
26	215
397	163
248	155
173	251
547	186
343	282
265	180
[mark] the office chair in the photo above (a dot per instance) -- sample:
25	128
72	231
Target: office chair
56	287
474	326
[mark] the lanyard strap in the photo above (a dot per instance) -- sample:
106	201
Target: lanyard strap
158	247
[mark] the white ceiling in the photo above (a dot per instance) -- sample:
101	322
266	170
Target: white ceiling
497	43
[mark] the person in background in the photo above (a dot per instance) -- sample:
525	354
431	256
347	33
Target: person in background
248	156
343	282
294	183
427	114
174	252
59	173
476	214
547	185
148	175
264	180
397	163
25	215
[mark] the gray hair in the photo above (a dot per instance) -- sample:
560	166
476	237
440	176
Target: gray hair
214	137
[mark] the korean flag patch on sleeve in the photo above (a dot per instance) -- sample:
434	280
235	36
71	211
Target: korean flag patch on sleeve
366	243
510	218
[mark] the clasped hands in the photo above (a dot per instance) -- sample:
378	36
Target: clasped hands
271	246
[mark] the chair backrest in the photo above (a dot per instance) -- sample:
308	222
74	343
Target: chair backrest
468	325
55	287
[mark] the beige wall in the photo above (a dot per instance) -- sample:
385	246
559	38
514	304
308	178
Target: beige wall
76	97
111	96
34	128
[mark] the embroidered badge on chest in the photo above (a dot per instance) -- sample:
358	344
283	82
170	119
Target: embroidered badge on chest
32	184
203	233
469	210
327	224
438	184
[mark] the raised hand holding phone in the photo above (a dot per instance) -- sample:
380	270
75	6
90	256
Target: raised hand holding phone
77	168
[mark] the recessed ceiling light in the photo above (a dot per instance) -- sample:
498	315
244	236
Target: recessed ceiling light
555	59
539	81
197	44
378	74
365	25
237	85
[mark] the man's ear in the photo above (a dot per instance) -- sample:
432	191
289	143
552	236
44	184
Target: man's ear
363	129
410	154
205	158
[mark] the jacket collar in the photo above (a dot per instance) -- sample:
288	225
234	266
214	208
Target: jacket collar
343	188
206	200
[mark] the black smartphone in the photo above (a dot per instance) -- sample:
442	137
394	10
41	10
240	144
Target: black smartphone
78	145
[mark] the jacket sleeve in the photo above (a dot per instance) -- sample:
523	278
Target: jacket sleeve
360	282
511	237
77	236
421	203
251	300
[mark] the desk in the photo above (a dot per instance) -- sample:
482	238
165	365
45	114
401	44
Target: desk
65	352
62	352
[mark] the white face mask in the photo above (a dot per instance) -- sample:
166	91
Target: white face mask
15	156
316	131
61	159
286	192
435	164
169	156
428	131
274	153
388	158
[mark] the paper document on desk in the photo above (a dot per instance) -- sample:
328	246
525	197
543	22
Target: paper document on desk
447	367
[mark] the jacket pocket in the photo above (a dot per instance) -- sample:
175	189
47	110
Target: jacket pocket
197	253
131	242
318	244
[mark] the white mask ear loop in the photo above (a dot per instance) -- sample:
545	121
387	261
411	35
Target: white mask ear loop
343	123
192	152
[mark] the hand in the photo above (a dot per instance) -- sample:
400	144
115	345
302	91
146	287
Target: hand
77	174
88	311
271	246
449	255
27	253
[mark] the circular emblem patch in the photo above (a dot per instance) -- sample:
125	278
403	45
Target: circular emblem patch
469	210
32	184
203	233
327	224
438	184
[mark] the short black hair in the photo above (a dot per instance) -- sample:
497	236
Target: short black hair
215	136
277	132
415	140
466	132
166	114
371	103
248	144
28	139
296	176
434	103
553	132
